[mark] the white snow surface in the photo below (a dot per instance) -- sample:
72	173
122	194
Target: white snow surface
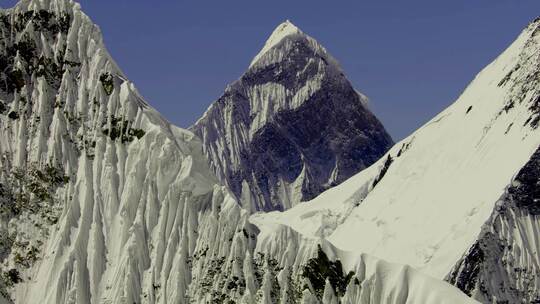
444	179
283	30
379	281
273	51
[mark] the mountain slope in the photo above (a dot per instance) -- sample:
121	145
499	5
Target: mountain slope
103	201
350	278
290	127
425	202
100	195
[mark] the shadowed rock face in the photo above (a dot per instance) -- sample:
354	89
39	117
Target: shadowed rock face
290	127
525	192
502	265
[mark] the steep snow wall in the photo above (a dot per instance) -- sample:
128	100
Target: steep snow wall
102	197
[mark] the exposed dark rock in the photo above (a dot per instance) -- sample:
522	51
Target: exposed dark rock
107	83
384	169
12	277
492	268
525	190
320	268
13	115
286	73
123	130
465	275
49	24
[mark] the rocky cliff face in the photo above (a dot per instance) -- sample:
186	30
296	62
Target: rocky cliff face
290	127
502	266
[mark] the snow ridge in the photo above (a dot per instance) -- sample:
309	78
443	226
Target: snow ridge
283	36
283	30
100	193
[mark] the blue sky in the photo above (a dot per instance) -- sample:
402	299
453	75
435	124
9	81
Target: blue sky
412	58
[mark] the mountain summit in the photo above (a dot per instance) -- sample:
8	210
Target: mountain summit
290	127
283	30
286	32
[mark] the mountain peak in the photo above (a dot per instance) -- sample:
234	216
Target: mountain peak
286	29
297	124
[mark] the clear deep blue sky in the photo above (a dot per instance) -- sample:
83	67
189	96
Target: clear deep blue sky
412	58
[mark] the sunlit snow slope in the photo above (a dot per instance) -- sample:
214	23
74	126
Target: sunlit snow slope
103	201
425	201
291	127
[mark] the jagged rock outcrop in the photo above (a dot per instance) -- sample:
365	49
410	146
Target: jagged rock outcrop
291	127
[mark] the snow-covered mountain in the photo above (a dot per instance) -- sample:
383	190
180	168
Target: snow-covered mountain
458	199
291	127
103	201
101	196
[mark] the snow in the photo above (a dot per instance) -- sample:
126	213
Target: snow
283	30
130	205
146	221
503	264
378	280
431	203
266	138
282	40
